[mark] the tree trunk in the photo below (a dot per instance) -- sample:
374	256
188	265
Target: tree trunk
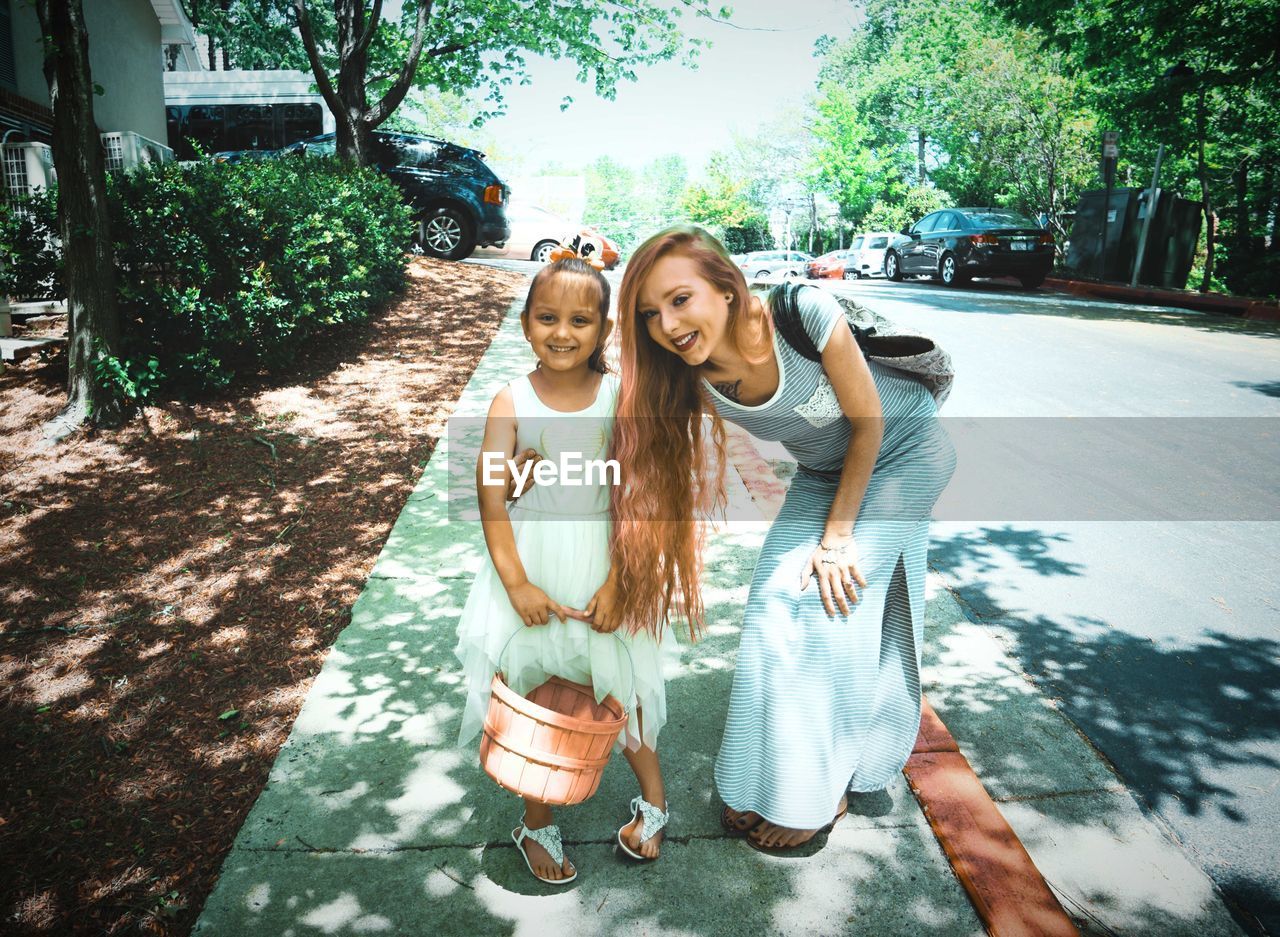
1244	230
349	102
813	218
226	58
1269	207
1206	203
83	220
354	133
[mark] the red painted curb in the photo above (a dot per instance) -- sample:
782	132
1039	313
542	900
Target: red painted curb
1240	306
933	736
1007	890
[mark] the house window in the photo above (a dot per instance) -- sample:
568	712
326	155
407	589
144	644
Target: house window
8	76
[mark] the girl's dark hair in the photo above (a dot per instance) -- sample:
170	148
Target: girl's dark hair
574	266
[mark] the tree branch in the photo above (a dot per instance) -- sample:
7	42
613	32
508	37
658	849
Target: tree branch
395	94
450	48
317	66
371	27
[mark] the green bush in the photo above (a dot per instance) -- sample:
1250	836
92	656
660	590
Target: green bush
228	269
30	261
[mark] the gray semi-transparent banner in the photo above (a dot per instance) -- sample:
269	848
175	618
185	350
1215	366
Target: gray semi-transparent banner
987	469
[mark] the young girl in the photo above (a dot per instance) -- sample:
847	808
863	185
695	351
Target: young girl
546	603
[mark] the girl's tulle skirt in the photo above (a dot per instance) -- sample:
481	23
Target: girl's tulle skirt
568	558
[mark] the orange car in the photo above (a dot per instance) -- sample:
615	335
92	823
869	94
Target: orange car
832	265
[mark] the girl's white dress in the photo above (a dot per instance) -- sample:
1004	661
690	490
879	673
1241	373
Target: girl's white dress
562	535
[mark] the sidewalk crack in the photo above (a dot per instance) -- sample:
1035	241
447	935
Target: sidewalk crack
685	840
1054	795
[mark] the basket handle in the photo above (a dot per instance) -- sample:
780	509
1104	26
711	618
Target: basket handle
630	663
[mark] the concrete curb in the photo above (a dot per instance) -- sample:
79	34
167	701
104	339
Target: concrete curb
1259	310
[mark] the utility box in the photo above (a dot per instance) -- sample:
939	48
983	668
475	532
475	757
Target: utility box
1100	214
1171	242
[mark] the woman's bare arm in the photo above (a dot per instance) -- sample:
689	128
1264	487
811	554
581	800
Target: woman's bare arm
835	562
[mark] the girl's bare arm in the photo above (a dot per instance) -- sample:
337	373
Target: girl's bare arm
499	439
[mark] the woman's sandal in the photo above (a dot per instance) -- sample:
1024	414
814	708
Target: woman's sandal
654	822
548	837
840	815
732	828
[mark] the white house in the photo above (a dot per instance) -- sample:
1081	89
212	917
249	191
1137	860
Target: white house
129	43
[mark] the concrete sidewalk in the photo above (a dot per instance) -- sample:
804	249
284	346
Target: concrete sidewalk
372	821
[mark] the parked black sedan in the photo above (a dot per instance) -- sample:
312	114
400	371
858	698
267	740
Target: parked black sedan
957	244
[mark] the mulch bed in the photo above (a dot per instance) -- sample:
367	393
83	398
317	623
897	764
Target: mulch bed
168	592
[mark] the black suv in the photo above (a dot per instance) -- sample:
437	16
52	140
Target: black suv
459	202
956	244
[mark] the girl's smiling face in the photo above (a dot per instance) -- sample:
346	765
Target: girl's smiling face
564	325
683	311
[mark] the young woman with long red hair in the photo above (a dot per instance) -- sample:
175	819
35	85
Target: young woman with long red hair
826	695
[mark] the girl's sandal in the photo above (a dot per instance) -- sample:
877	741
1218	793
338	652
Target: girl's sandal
548	837
654	822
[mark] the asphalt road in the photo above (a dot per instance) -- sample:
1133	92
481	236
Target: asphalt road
1157	634
1159	637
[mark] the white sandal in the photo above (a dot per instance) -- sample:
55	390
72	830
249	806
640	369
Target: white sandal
548	837
655	821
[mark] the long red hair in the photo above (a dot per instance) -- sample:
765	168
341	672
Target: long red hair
662	440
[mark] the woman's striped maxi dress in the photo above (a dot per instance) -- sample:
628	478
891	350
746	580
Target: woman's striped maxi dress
823	705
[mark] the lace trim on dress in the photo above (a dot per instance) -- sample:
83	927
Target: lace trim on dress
823	407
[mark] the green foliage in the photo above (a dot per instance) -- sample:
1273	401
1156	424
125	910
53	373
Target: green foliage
254	33
478	45
130	381
225	270
1032	136
1204	80
898	214
30	261
846	167
723	199
628	205
955	96
743	238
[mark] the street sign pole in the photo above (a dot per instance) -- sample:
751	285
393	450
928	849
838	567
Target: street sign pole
1146	221
1110	153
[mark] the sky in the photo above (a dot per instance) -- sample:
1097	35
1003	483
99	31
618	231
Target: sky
755	70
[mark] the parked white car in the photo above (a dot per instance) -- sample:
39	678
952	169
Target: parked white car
535	233
870	261
774	265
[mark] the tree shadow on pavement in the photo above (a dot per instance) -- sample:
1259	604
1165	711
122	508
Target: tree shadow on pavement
1267	388
1183	721
375	820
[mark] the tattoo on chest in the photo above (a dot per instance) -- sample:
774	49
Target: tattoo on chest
730	389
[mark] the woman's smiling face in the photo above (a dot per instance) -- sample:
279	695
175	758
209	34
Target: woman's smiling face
683	311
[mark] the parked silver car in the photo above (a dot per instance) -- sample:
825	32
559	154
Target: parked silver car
774	265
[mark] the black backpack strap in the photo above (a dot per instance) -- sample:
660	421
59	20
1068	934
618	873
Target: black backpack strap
786	319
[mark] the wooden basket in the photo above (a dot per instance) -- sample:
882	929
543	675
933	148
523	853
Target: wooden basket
551	746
